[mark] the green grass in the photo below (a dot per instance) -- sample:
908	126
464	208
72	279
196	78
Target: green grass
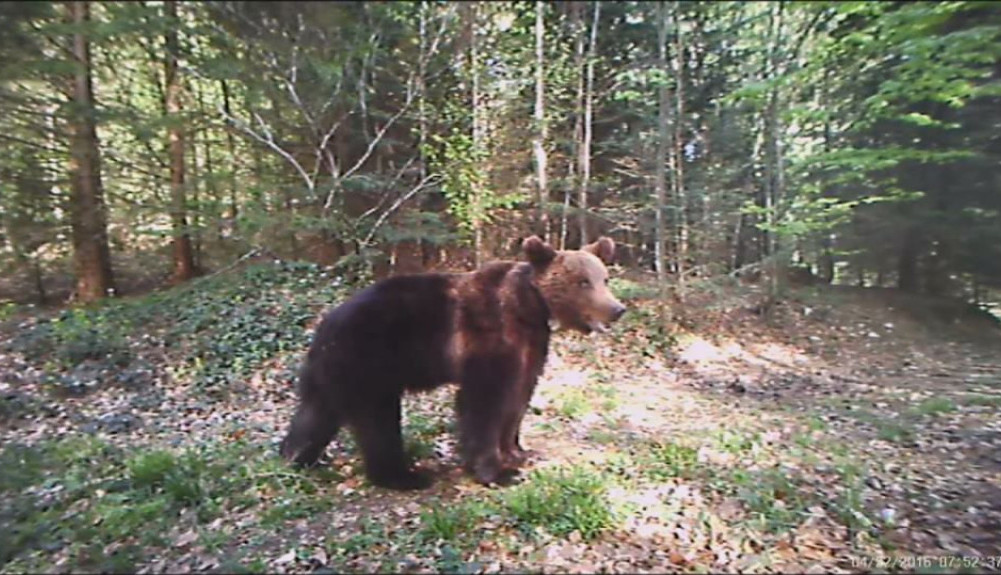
982	400
897	430
561	502
934	406
849	506
773	498
82	494
450	521
736	442
422	429
815	423
894	432
573	403
603	436
666	460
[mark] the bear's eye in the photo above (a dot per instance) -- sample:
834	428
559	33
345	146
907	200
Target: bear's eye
585	283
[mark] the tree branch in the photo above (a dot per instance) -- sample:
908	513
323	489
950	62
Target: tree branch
396	205
268	140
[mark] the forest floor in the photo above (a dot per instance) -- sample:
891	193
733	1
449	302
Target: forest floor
854	430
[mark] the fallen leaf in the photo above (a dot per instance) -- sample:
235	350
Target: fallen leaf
286	558
186	538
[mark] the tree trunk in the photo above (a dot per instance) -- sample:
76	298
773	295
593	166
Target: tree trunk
679	159
827	258
91	255
471	11
184	261
427	248
907	264
585	148
576	10
827	240
210	181
39	280
660	177
282	196
196	182
541	213
231	144
739	244
774	176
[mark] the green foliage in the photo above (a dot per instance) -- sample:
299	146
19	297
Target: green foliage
83	494
561	502
646	322
573	403
772	497
665	460
150	470
450	522
628	290
7	309
934	406
219	328
237	323
464	180
79	335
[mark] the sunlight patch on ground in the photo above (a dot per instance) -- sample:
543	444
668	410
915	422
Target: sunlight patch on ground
778	353
698	350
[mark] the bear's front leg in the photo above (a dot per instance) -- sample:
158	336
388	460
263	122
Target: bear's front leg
513	455
482	412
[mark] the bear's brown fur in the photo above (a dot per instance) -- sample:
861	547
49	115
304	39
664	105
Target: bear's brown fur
486	330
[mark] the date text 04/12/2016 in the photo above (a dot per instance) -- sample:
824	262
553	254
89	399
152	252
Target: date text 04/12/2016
991	563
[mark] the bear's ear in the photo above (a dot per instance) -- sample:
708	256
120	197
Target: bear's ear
539	253
604	248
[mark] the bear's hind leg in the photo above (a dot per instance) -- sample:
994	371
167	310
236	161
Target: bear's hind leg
379	434
311	431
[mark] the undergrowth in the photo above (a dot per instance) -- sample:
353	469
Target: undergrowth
216	329
81	495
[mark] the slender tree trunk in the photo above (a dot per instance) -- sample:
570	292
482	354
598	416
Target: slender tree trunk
91	255
827	240
907	263
679	158
184	261
234	209
576	9
738	243
210	180
477	192
39	279
196	183
427	249
541	214
660	176
585	148
282	200
773	164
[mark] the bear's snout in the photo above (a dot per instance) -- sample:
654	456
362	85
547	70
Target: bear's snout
617	311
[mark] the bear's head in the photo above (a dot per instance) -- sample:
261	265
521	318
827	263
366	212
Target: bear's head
574	283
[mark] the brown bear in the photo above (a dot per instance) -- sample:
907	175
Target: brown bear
486	330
